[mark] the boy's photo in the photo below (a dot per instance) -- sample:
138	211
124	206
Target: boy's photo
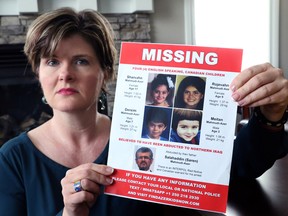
156	123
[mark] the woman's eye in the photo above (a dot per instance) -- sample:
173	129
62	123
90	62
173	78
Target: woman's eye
82	62
52	62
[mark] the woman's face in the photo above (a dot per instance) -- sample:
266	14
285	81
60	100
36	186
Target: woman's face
160	94
187	129
192	97
72	78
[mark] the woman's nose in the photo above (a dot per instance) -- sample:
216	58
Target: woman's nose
66	73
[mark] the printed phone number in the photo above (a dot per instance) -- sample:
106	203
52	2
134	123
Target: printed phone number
183	195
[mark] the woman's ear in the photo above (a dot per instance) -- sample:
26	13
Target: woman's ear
104	81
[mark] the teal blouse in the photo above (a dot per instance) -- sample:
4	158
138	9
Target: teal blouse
30	181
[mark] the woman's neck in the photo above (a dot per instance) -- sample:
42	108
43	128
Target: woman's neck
73	123
81	138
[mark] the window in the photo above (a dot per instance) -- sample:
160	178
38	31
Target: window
251	25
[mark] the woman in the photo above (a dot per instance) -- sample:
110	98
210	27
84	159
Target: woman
186	125
73	55
161	90
59	168
190	93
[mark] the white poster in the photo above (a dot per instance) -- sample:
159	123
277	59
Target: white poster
173	124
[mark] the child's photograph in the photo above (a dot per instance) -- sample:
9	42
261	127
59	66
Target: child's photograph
186	126
190	92
160	90
156	123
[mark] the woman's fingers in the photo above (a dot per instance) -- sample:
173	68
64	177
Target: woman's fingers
260	85
93	172
249	73
81	185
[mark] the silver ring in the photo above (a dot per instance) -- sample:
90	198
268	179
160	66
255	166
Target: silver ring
77	186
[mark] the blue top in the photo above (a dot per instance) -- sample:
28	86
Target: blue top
174	137
161	138
30	181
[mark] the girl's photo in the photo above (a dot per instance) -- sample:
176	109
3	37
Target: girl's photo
186	126
190	92
160	90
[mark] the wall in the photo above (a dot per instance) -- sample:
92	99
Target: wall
167	22
127	27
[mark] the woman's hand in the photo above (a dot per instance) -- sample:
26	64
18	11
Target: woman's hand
91	176
262	85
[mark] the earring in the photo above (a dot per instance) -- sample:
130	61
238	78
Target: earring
44	100
102	100
102	104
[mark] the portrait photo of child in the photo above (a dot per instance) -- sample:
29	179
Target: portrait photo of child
156	123
186	126
160	90
190	92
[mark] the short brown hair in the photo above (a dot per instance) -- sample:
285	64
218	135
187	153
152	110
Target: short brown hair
47	30
185	114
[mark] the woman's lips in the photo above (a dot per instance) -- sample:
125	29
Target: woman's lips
67	91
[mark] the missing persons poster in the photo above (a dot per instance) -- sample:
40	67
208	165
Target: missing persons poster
173	124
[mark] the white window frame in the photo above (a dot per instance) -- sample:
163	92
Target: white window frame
273	24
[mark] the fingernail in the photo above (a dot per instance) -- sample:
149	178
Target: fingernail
109	180
241	103
109	169
235	96
233	88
